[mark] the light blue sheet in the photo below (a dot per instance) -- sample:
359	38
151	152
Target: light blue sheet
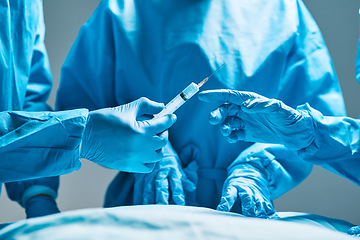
173	222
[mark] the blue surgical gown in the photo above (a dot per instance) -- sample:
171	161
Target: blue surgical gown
32	144
132	48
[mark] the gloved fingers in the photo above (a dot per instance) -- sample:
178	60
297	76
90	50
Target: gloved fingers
151	166
274	216
151	156
157	142
176	186
226	95
157	125
354	231
190	171
187	184
269	210
140	108
231	124
148	160
138	167
218	115
236	135
222	112
263	208
164	135
248	202
228	199
255	205
233	109
162	187
225	128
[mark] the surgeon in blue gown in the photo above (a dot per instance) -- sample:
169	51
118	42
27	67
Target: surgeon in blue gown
331	142
35	142
132	48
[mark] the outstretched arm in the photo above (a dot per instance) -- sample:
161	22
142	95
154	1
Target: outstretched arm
332	142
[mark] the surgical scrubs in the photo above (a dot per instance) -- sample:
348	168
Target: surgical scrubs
155	48
32	144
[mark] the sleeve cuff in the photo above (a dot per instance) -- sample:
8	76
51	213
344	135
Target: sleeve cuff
37	190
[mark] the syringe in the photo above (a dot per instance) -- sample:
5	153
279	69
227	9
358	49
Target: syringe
185	95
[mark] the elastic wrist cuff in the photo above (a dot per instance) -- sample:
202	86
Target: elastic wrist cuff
37	190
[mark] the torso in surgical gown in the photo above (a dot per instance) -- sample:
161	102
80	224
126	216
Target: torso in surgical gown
134	48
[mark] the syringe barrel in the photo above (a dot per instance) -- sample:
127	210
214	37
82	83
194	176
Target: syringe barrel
179	100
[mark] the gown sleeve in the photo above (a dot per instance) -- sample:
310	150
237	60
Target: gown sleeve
336	146
35	142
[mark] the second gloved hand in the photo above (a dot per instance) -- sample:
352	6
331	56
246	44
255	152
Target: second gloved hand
37	196
165	184
115	138
248	182
251	117
354	231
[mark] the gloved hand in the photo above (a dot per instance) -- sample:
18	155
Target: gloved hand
251	117
115	138
248	180
37	196
354	231
165	184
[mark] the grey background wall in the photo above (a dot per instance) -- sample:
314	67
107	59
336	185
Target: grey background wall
321	193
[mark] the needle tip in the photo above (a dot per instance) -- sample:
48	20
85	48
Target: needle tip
205	79
203	82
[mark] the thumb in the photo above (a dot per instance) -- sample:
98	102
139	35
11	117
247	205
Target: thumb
188	185
158	125
148	107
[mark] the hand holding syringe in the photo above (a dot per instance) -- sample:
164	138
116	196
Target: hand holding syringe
185	95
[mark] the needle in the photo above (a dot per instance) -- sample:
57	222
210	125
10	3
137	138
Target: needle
205	79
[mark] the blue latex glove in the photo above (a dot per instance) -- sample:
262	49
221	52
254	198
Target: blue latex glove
251	117
37	196
115	138
354	231
248	181
165	184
